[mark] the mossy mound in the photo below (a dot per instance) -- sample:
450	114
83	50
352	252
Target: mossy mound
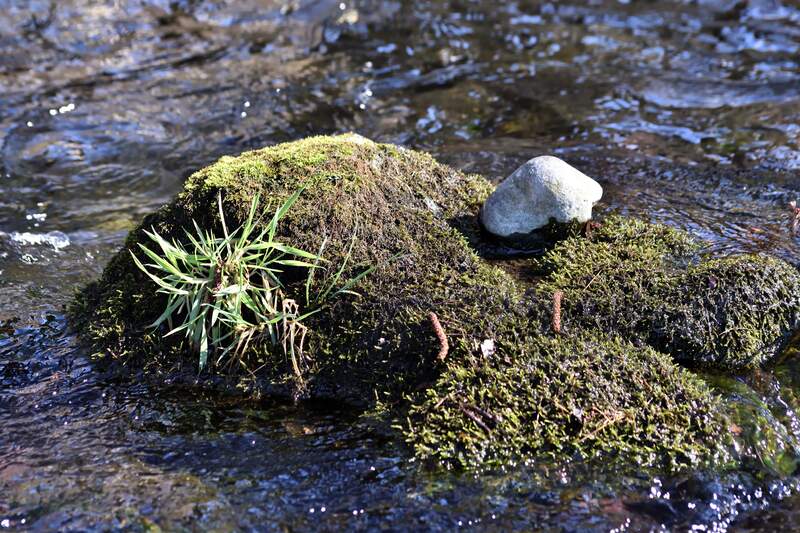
398	209
597	387
733	312
545	397
648	284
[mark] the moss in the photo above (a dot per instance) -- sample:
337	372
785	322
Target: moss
601	389
648	284
397	204
560	397
733	312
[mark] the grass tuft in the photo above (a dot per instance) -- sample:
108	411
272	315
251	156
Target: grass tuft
225	292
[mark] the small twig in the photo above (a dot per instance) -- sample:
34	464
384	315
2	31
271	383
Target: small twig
445	398
589	227
794	225
475	418
556	322
486	414
444	346
600	271
616	417
559	406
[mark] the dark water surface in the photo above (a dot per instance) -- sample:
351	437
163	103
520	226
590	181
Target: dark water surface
687	112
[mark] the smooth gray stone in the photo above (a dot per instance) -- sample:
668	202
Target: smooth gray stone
544	188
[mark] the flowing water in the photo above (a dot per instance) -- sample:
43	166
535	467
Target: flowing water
688	112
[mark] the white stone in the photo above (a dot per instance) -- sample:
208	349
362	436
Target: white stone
488	348
543	188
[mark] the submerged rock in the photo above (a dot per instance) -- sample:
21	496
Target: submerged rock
501	384
542	189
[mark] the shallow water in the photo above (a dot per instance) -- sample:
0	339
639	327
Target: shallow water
687	112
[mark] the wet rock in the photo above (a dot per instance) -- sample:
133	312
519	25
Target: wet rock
508	389
361	203
542	189
652	285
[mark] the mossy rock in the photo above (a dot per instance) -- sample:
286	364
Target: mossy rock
415	222
565	396
649	284
399	209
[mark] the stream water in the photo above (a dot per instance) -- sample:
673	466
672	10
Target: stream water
688	112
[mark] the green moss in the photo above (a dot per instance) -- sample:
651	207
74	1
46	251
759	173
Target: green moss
560	397
400	206
600	389
733	312
648	284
